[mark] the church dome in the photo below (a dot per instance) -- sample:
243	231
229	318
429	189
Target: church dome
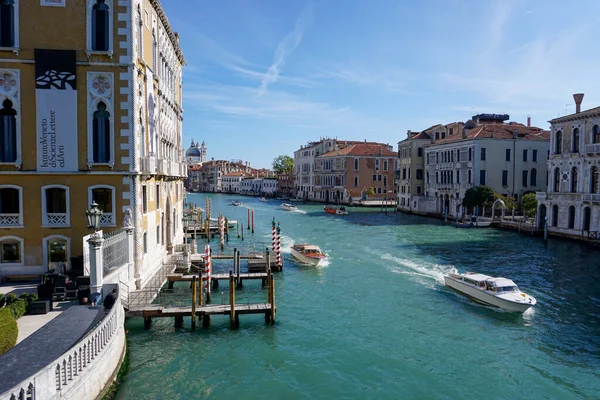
193	152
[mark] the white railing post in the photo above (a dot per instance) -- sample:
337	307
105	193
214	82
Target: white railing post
96	262
128	226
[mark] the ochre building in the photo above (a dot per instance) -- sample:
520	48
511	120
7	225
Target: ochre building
91	111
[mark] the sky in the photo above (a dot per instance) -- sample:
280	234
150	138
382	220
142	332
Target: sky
264	77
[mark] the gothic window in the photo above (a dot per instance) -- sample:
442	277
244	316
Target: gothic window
100	26
556	180
8	132
558	143
7	23
575	141
555	215
101	134
574	179
571	217
596	134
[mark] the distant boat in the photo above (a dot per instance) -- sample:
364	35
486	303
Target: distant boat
336	211
289	207
236	203
263	199
215	222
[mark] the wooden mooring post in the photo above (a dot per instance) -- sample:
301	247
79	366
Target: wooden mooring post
234	318
194	282
270	314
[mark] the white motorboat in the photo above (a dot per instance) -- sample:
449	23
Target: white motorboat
289	207
263	199
336	211
215	222
236	203
496	292
307	254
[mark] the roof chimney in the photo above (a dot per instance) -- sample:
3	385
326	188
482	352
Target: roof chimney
528	121
578	97
515	133
408	133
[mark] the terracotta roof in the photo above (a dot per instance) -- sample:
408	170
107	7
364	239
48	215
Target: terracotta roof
237	173
582	114
500	131
433	126
361	150
421	136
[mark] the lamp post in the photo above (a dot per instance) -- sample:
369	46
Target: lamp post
93	215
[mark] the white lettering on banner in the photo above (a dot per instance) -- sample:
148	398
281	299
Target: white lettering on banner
56	130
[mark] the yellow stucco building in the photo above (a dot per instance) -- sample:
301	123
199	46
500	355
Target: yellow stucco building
91	110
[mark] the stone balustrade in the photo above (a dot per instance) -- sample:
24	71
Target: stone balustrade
85	370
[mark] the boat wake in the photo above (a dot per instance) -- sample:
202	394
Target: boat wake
425	270
300	211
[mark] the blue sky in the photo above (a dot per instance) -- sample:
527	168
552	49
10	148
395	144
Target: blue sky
266	76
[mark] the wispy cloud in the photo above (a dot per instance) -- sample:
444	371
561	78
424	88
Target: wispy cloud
286	47
390	79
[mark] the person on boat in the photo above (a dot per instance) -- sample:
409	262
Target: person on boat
342	208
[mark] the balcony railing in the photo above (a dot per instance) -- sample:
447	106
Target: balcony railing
56	219
10	220
592	148
162	167
106	219
590	197
148	165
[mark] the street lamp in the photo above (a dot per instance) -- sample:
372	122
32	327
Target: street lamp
93	216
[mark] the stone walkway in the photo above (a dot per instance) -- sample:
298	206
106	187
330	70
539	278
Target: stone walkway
47	344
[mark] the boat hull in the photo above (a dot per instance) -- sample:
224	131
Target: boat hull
303	259
335	211
486	298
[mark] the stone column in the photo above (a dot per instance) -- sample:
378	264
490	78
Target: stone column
130	254
96	263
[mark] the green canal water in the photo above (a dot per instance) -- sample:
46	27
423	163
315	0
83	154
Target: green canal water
376	322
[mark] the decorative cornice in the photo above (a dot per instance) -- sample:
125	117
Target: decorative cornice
163	18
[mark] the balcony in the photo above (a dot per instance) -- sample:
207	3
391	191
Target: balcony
595	197
183	170
162	167
540	196
592	148
148	165
10	220
174	169
567	197
56	219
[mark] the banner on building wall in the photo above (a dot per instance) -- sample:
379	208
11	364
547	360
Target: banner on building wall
151	108
56	110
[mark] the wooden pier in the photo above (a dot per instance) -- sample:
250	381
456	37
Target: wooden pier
200	302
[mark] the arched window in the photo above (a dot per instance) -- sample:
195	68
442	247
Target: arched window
575	141
596	134
533	177
11	206
556	179
55	205
100	26
145	242
587	218
470	153
7	23
558	143
57	252
8	132
101	134
104	196
555	215
11	250
571	222
594	180
469	174
574	179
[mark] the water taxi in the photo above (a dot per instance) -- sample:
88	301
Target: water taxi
236	203
214	222
289	207
263	199
496	292
307	253
336	211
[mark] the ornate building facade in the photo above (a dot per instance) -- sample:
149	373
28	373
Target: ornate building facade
103	108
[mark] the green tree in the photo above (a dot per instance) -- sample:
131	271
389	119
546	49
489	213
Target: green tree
529	204
282	164
370	191
478	196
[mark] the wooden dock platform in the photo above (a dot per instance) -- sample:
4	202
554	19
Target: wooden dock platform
222	277
154	311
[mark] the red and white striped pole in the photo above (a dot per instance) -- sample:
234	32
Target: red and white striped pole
207	267
279	260
273	235
222	231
